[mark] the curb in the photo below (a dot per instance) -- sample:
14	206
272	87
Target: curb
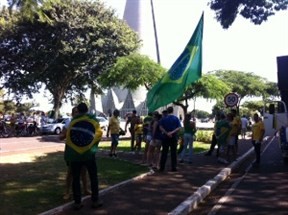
191	203
198	196
61	208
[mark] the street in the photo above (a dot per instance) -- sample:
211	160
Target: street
19	147
251	190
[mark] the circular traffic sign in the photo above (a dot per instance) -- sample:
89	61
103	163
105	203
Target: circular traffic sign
231	99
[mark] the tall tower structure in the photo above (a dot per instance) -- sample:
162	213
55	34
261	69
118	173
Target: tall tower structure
139	15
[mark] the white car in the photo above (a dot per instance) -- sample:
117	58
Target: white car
103	122
55	127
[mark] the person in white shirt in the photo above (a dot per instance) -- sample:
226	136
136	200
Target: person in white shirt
244	123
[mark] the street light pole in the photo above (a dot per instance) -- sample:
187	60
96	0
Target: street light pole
155	32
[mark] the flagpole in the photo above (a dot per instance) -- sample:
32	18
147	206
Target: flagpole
155	32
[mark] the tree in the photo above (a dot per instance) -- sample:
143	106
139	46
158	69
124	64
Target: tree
208	87
271	91
257	11
200	114
226	10
253	105
243	83
80	42
133	71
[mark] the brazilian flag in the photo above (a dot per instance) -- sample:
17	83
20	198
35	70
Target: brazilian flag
186	70
83	133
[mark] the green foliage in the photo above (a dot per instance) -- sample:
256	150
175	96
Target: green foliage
133	71
200	114
204	136
242	83
68	51
257	11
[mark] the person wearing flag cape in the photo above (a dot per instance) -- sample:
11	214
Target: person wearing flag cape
82	139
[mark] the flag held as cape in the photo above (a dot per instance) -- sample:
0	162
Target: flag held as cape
186	70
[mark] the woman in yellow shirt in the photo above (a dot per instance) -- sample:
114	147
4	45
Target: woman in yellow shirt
114	129
138	130
258	131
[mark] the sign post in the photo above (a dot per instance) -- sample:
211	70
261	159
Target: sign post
231	99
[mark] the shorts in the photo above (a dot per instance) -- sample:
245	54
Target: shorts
156	143
244	130
147	138
114	139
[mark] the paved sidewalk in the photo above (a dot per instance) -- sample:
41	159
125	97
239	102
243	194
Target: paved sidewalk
159	193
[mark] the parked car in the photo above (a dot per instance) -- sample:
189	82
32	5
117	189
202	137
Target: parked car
103	122
54	127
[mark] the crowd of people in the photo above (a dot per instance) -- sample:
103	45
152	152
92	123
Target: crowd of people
160	133
19	124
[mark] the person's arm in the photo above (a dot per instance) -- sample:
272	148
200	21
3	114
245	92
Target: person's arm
154	128
262	132
126	124
108	129
62	135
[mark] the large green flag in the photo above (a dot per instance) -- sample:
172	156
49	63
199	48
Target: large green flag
186	70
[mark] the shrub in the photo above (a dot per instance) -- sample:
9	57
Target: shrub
204	136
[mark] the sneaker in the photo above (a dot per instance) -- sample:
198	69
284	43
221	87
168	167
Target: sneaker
115	155
181	161
97	204
77	206
174	170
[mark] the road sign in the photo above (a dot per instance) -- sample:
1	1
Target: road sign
231	99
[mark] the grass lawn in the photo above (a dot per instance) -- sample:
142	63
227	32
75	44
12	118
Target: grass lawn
34	187
124	145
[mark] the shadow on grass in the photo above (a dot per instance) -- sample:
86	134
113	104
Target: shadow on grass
34	187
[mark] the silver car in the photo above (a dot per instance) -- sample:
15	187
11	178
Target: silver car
103	122
54	127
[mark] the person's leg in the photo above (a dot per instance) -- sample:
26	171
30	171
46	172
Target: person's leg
115	141
181	144
84	181
68	183
173	151
164	153
258	152
146	147
150	155
185	144
132	140
93	175
76	187
236	143
212	146
157	156
190	145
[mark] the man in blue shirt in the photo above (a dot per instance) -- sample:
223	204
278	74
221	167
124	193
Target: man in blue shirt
169	126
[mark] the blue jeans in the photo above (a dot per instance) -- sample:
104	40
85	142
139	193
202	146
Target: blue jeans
188	142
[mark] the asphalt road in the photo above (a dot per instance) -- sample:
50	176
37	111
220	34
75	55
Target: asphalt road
262	190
